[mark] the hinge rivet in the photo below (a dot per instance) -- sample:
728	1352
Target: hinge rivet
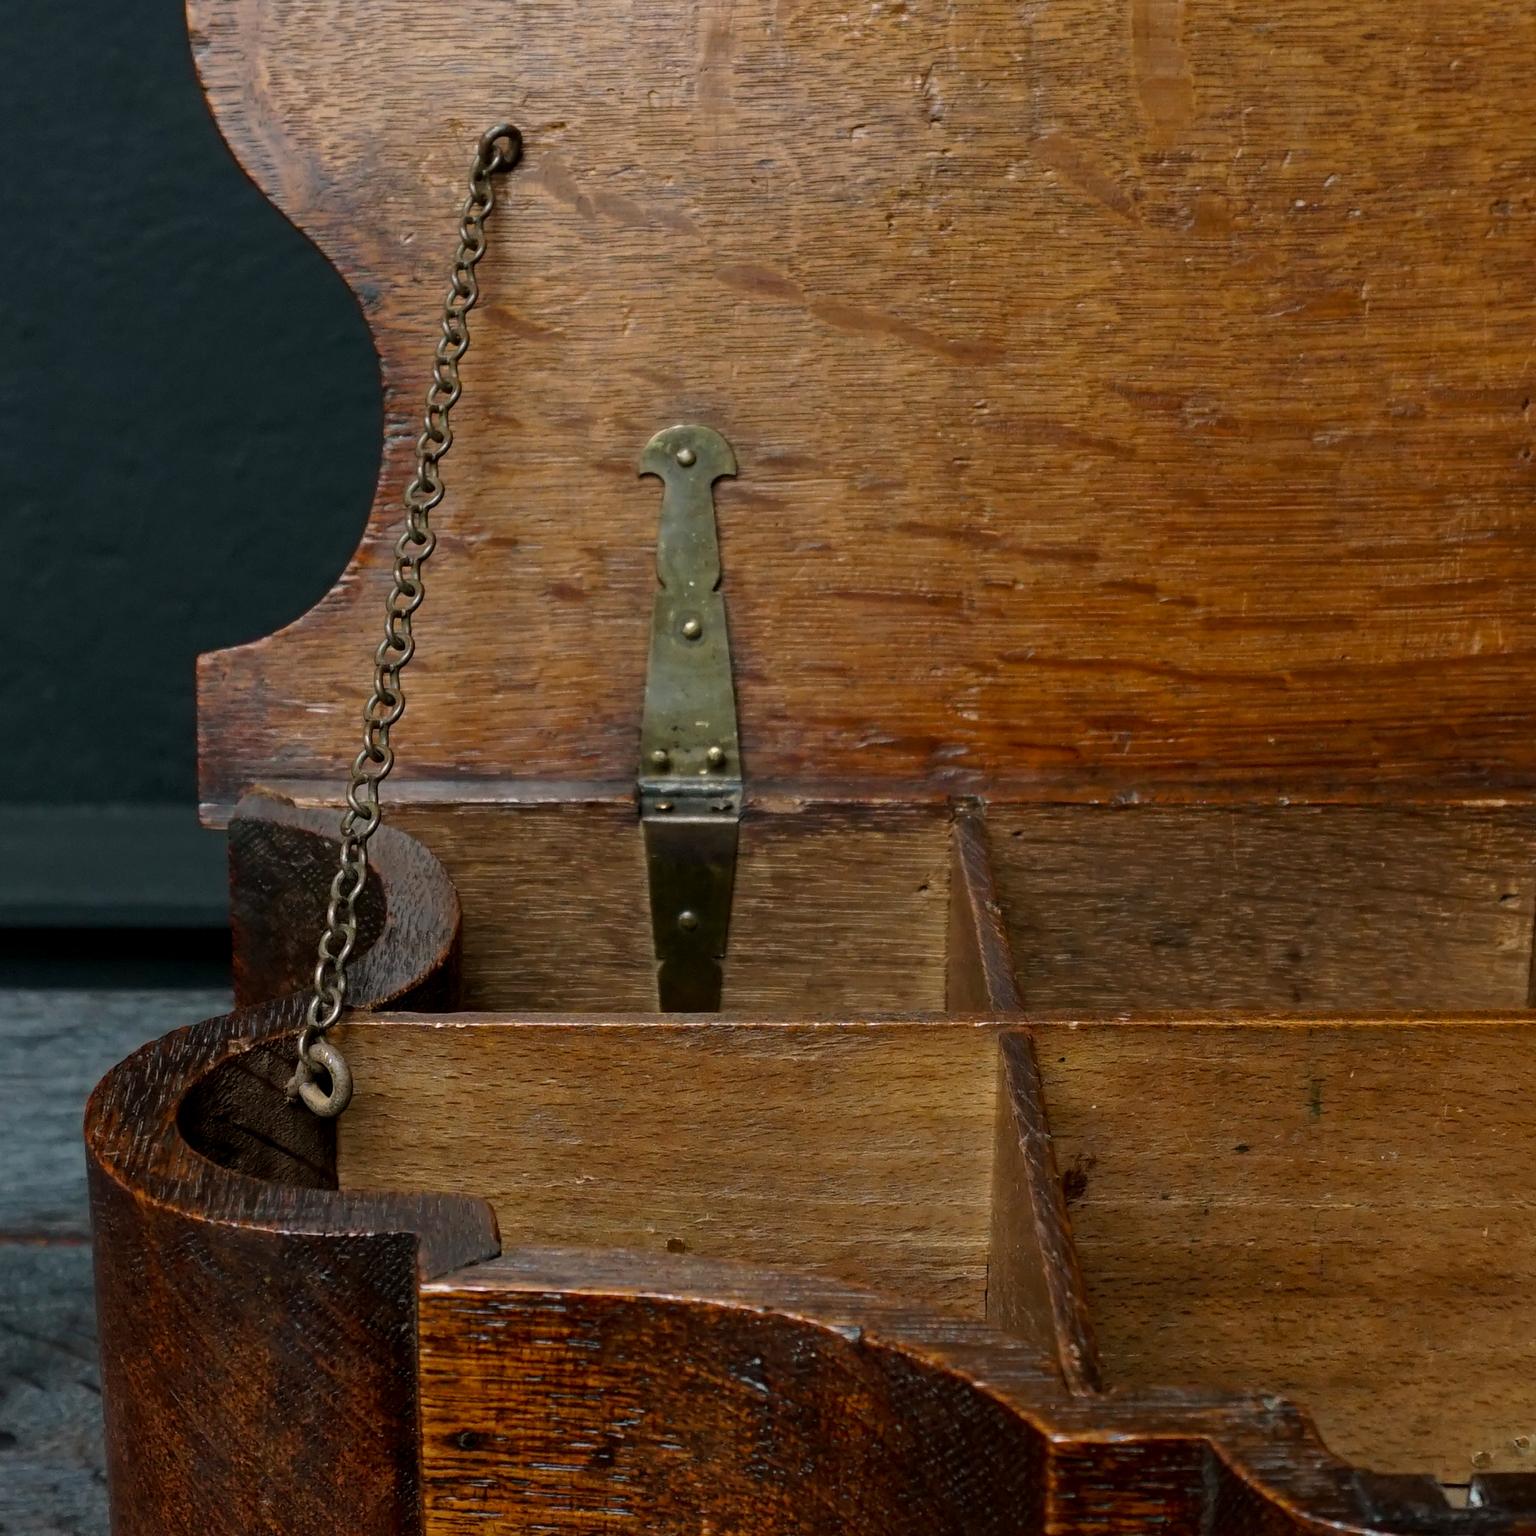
692	629
715	757
663	806
687	457
659	758
687	921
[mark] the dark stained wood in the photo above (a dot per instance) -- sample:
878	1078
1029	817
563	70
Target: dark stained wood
1271	909
282	859
1337	1211
1133	406
1514	1492
257	1326
1129	396
571	1392
572	1388
561	1392
257	1342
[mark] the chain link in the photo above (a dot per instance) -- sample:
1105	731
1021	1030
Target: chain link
499	150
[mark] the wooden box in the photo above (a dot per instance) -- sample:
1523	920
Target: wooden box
1117	1111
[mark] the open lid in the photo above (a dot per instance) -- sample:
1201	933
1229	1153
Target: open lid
1129	398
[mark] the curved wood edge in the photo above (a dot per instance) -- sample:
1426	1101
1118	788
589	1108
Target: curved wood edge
898	1418
282	859
257	1326
269	159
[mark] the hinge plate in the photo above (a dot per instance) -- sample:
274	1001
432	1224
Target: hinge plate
690	780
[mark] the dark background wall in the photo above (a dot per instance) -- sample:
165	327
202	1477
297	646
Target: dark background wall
168	341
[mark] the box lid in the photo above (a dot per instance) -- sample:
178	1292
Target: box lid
1129	399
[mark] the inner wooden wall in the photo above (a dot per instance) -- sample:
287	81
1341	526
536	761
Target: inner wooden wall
843	908
1276	909
859	1151
1339	1213
836	911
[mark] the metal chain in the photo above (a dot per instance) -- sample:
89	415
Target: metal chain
499	150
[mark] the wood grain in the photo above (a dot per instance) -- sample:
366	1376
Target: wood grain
1340	1213
282	861
257	1326
860	1151
836	909
258	1353
1126	397
1034	1287
1034	1281
550	1409
980	973
845	907
788	1404
1272	909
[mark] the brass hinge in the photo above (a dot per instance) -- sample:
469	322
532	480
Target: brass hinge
690	759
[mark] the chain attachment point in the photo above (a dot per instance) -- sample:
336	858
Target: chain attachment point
302	1084
499	149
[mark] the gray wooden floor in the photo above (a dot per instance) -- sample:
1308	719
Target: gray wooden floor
53	1047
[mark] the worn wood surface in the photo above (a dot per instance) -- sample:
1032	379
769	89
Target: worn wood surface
221	1294
1034	1288
845	907
789	1402
861	1151
981	976
282	861
550	1410
1126	396
791	1405
252	1317
1341	1213
1279	909
1034	1282
836	908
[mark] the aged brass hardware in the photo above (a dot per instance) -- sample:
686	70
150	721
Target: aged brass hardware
690	782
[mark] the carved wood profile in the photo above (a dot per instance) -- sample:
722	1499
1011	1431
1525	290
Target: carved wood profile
252	1316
